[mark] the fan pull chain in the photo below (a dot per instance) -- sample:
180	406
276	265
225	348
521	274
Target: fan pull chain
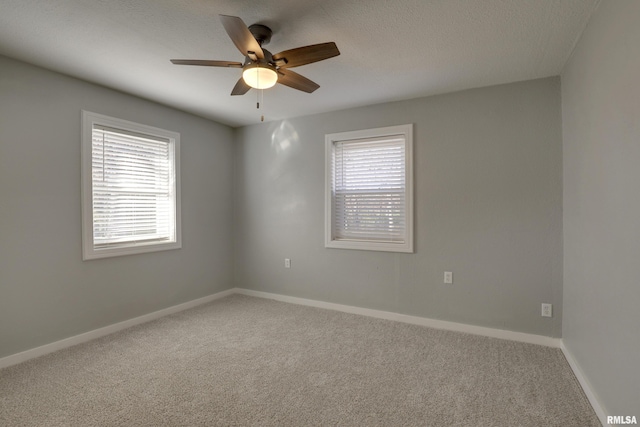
258	92
262	99
259	96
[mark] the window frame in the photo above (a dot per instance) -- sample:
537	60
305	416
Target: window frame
89	250
406	131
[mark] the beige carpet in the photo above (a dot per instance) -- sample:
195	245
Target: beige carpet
244	361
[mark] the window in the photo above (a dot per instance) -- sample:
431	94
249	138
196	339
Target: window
130	187
368	186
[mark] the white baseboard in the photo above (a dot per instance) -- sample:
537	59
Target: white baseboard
97	333
586	387
414	320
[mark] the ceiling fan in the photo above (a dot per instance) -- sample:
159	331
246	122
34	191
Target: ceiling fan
261	69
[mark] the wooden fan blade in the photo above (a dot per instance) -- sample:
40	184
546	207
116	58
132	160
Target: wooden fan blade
240	88
306	55
241	36
296	81
207	63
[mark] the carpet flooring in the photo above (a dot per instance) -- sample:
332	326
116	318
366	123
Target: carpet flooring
244	361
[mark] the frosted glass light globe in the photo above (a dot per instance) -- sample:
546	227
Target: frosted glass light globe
260	77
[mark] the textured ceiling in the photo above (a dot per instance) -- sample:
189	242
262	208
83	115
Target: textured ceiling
390	50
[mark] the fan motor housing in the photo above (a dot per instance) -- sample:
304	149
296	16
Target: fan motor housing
262	33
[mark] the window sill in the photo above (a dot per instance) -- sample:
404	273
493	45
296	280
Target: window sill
404	247
91	253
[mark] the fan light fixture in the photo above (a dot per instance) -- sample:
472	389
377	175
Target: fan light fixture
260	77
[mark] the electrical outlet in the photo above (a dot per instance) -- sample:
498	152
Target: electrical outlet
448	277
547	310
287	263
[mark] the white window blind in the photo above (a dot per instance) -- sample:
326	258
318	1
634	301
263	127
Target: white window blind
369	186
369	190
130	190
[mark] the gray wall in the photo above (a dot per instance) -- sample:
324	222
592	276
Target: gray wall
488	206
601	134
47	292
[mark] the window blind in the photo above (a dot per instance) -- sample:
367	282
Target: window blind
369	189
132	188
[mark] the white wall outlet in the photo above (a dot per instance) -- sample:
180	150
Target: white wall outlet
287	263
448	277
547	310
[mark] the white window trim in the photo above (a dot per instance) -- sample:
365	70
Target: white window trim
330	140
90	119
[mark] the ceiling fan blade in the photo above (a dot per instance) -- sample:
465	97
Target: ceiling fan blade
240	88
306	55
296	81
207	63
241	36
